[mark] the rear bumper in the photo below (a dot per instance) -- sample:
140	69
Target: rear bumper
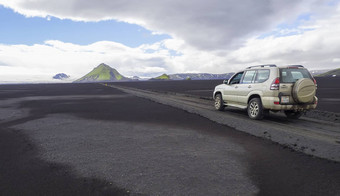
273	103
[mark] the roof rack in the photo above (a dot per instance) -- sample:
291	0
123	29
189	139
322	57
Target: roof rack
268	65
295	66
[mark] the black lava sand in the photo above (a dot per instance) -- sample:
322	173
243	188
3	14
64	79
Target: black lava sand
189	155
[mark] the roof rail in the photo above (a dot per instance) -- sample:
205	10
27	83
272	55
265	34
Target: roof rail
295	66
268	65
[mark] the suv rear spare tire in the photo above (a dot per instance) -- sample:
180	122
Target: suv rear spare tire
304	90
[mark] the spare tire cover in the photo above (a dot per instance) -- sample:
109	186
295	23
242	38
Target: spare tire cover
304	90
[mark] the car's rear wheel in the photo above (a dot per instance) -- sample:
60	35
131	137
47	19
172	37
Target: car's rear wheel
219	102
293	115
255	109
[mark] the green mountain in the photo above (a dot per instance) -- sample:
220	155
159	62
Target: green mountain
102	73
331	73
162	77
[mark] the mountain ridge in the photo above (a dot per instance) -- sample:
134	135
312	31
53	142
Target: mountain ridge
200	76
331	73
161	77
61	76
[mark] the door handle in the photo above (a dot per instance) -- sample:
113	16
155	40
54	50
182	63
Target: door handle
236	86
249	86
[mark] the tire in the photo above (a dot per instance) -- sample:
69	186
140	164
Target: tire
219	102
255	109
293	115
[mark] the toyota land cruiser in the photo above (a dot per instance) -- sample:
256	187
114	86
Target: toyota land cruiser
264	88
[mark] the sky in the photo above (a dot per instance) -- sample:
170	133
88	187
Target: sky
40	38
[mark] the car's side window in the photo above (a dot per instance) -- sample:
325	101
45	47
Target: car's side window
236	79
262	75
249	77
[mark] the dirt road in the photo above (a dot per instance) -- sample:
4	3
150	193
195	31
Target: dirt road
328	90
308	135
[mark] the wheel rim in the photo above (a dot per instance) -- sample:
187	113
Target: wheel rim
254	109
217	102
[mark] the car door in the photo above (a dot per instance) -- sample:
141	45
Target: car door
245	87
230	90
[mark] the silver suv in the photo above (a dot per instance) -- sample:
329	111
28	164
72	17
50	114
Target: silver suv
264	88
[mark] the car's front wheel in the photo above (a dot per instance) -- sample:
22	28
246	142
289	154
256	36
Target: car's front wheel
255	109
219	102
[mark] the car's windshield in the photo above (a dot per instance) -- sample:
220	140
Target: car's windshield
291	75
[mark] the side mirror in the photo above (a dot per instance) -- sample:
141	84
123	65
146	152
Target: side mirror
225	81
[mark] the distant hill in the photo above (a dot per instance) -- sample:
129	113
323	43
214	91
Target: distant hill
61	76
135	78
200	76
318	72
194	76
162	77
102	73
331	73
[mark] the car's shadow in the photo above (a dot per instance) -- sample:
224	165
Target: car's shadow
278	117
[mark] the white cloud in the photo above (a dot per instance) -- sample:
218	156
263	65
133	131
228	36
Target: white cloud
316	49
55	56
206	25
214	37
76	60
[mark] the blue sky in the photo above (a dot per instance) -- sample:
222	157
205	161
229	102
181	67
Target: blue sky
18	29
289	28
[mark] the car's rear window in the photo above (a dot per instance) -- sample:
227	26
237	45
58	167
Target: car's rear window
291	75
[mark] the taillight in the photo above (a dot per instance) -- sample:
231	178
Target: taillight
315	82
275	84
